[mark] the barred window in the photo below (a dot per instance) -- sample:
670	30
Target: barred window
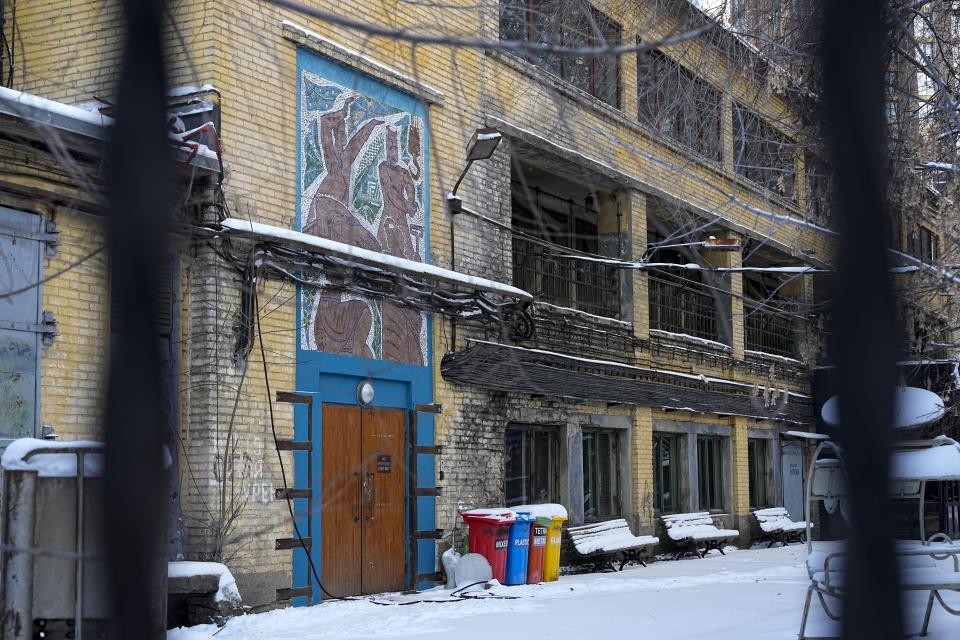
761	153
679	105
569	23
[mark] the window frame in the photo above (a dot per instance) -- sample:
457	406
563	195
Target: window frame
758	477
528	467
756	129
674	472
691	91
561	65
615	497
716	501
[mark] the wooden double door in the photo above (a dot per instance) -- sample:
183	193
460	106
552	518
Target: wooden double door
364	492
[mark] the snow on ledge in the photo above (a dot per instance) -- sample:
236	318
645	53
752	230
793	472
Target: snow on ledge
350	252
688	338
806	435
59	465
52	106
227	588
53	465
772	356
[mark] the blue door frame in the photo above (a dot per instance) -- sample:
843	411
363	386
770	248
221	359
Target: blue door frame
334	380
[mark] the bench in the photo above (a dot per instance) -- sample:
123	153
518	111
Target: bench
691	531
917	571
776	525
603	543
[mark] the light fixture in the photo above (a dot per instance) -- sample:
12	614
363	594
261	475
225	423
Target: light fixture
365	392
482	144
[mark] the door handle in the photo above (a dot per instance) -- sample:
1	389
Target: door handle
357	505
370	496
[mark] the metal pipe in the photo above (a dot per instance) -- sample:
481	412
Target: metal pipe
18	528
78	603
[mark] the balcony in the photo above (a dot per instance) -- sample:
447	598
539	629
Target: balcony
680	305
770	331
554	274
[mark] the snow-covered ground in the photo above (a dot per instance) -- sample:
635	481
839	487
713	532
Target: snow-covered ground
755	593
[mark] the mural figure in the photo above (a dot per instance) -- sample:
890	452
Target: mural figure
401	326
364	187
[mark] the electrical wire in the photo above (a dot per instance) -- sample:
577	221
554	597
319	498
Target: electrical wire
283	472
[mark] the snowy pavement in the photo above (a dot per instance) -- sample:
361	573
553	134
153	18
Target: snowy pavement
755	593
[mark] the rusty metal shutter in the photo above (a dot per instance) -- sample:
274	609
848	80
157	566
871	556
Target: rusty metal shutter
21	265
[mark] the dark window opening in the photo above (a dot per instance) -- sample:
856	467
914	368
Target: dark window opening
679	105
762	154
601	474
557	222
771	318
924	245
666	472
710	469
531	465
570	24
760	475
680	302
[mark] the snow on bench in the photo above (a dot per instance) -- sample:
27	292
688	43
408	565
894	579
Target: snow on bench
917	570
602	543
776	524
690	531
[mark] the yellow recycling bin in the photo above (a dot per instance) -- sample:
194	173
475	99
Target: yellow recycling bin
551	558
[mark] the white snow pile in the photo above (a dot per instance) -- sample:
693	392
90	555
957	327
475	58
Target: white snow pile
613	542
373	257
227	591
913	407
542	510
53	465
505	516
934	463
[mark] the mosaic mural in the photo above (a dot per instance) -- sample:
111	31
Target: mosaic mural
362	182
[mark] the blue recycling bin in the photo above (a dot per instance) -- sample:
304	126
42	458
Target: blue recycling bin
518	549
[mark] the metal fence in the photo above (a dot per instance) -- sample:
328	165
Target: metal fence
770	331
679	305
564	280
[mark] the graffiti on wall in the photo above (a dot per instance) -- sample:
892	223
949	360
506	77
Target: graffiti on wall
362	182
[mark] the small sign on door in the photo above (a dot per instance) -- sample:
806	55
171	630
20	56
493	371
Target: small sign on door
383	463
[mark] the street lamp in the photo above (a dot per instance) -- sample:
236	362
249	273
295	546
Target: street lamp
482	144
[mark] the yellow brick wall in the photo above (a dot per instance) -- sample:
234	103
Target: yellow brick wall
73	370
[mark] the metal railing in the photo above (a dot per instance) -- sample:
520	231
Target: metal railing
679	305
564	280
770	331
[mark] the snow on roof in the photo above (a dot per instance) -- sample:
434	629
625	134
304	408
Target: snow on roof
12	96
542	510
639	370
53	465
938	462
351	252
227	588
187	90
806	435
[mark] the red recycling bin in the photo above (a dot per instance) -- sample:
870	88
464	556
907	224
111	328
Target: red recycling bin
538	547
490	535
